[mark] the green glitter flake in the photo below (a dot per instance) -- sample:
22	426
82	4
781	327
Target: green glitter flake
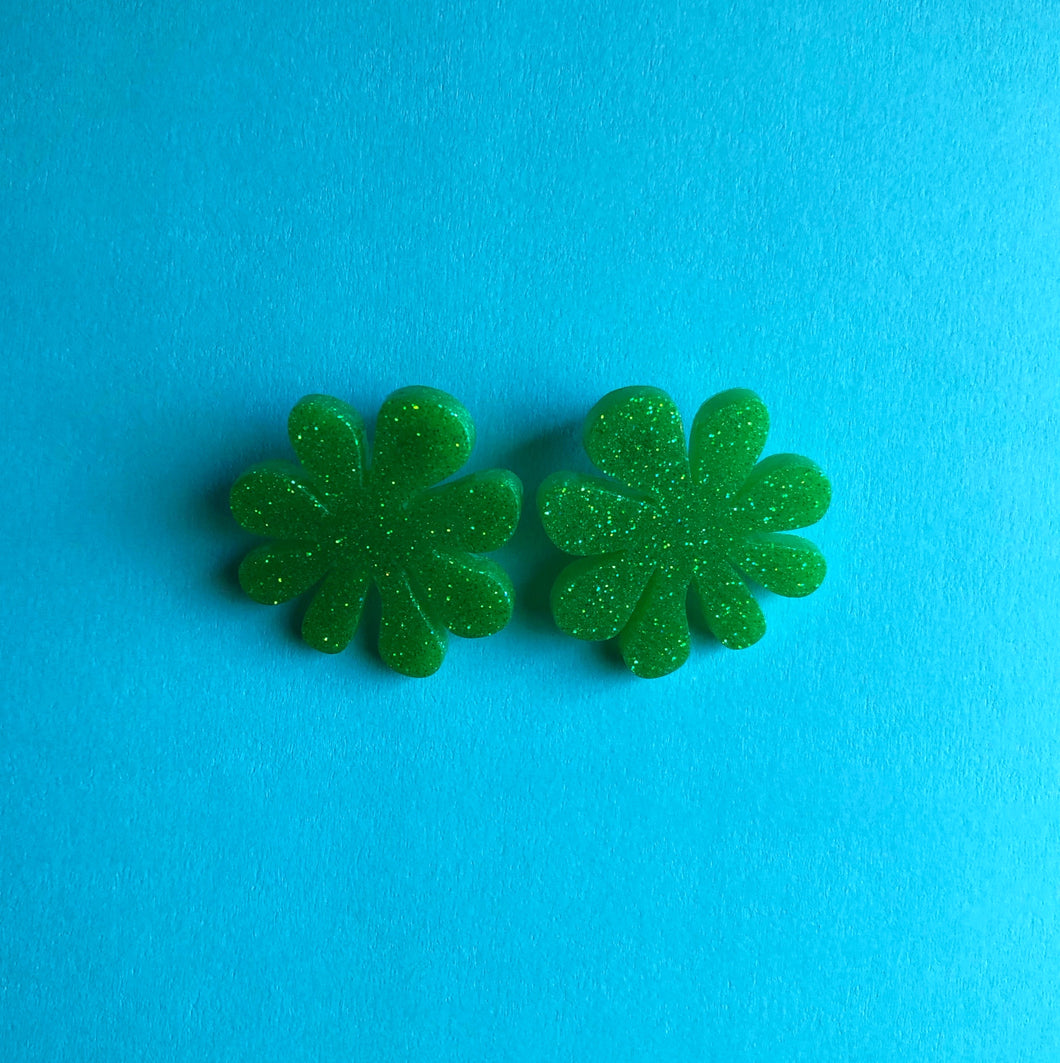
707	515
339	523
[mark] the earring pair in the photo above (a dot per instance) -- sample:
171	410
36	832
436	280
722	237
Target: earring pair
666	515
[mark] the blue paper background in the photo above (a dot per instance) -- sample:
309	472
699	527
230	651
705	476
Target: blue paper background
841	844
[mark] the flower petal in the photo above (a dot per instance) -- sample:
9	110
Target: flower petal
278	499
727	438
733	616
409	640
656	639
593	598
328	436
475	513
335	611
277	572
586	515
636	435
784	564
783	492
471	596
422	436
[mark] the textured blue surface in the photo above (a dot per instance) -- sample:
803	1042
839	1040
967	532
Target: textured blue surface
842	844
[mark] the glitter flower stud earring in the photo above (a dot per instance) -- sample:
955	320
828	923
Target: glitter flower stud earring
708	515
341	522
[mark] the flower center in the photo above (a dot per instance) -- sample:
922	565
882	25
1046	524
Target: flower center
368	525
688	531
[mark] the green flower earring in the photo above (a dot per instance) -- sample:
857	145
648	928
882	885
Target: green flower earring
340	522
707	515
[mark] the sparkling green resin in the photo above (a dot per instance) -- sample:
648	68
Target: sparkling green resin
340	523
704	515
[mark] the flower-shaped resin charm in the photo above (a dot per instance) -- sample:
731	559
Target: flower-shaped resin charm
338	521
705	515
